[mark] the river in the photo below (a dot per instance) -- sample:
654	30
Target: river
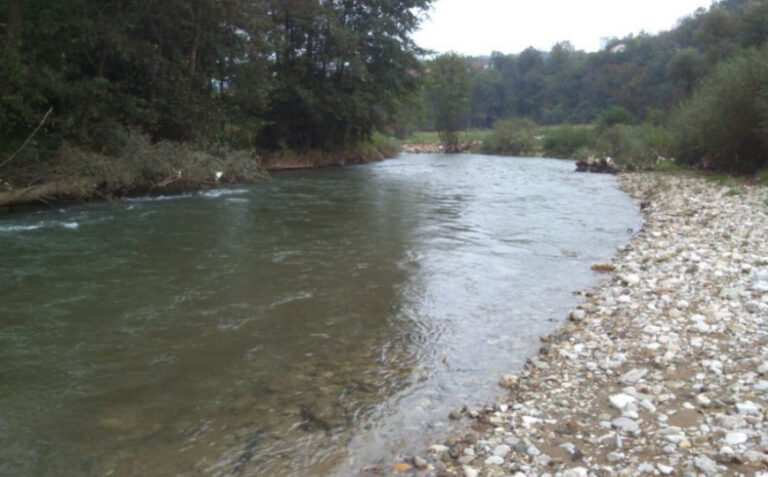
314	324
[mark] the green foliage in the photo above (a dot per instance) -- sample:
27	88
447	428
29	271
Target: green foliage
141	164
732	192
762	177
514	137
725	124
686	68
643	74
251	73
567	141
639	146
668	166
613	116
449	86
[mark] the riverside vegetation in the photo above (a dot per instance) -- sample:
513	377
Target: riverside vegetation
238	86
696	93
99	98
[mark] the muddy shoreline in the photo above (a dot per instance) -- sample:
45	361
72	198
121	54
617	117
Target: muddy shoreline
663	370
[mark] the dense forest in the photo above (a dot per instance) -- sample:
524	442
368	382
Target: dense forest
656	80
248	74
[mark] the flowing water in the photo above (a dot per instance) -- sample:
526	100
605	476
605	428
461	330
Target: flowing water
314	324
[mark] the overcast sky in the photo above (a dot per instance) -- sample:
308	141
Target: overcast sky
478	27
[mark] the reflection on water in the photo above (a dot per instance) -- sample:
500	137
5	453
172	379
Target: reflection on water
318	322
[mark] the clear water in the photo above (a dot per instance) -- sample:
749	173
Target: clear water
315	324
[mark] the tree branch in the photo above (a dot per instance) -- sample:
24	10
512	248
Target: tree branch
50	110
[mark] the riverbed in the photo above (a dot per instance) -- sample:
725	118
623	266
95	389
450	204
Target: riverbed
309	325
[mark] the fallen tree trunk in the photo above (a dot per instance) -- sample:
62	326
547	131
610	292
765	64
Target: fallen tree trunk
74	188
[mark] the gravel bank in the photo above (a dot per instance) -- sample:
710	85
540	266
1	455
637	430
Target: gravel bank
663	370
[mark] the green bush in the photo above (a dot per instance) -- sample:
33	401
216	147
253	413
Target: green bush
511	137
724	125
762	177
668	166
567	141
613	116
639	146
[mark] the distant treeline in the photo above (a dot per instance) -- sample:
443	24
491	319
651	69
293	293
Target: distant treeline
675	78
644	74
273	74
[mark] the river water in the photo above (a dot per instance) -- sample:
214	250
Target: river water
315	324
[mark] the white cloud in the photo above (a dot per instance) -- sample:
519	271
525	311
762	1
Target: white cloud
478	27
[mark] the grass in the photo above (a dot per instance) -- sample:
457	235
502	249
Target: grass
762	177
732	192
669	166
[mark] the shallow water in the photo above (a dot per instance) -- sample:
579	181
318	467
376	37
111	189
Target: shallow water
314	324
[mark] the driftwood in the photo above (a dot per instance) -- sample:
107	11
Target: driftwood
39	193
601	166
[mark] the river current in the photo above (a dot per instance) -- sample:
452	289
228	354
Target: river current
315	324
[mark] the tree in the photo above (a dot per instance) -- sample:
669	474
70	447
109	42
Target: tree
269	73
450	87
725	123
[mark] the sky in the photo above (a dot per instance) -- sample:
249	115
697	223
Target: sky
479	27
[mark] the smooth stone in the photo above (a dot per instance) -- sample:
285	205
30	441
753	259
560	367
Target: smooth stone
620	401
736	438
502	450
705	464
665	469
494	460
576	472
470	472
420	463
578	315
645	468
633	376
614	457
748	408
626	424
754	456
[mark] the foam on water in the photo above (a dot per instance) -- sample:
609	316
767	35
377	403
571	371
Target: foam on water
11	228
216	193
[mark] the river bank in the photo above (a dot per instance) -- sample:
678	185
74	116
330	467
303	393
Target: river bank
145	168
661	371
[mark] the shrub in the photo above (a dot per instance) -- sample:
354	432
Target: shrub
511	137
668	166
639	146
724	125
762	177
613	116
567	141
142	164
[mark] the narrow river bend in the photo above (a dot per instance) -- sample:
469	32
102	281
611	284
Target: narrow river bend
310	325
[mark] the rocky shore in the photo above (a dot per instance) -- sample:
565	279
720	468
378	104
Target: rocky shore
662	370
